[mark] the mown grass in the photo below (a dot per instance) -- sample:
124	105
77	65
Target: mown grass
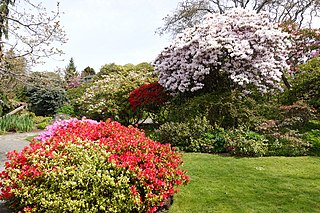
270	184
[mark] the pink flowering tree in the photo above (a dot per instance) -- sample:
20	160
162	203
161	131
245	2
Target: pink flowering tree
305	45
241	46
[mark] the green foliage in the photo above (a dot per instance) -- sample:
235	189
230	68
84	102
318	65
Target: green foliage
73	96
87	183
4	104
70	71
242	142
314	138
296	115
14	73
107	96
45	102
306	84
290	143
15	123
41	122
312	135
197	135
47	80
228	109
88	71
66	109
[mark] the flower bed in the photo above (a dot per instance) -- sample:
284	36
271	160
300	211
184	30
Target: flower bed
88	166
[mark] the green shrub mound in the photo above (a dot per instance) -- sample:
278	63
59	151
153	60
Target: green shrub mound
45	102
194	136
306	84
242	142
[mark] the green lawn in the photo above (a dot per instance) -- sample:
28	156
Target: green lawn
269	184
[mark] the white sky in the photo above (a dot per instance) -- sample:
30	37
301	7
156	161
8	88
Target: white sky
110	31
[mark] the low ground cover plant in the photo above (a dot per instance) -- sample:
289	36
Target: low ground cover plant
89	166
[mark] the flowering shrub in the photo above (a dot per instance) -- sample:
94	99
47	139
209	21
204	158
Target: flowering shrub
88	166
74	82
242	44
107	97
148	97
305	44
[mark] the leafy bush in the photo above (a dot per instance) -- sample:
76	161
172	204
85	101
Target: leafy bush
66	109
16	123
45	102
306	84
296	115
313	137
41	122
73	95
194	136
242	142
4	104
289	143
111	168
225	109
107	96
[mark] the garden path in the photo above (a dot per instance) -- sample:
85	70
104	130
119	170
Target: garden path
10	142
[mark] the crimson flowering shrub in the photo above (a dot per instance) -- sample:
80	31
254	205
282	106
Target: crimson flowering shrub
148	97
88	166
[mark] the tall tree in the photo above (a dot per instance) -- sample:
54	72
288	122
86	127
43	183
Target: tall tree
87	72
70	71
30	31
190	12
10	84
238	49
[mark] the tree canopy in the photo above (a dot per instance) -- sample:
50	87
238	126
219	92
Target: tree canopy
28	29
190	12
240	45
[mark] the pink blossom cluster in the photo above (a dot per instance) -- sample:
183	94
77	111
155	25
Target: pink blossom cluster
242	43
51	130
305	44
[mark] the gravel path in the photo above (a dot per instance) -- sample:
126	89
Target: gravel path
10	142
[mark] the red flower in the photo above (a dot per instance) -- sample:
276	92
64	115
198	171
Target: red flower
152	167
148	96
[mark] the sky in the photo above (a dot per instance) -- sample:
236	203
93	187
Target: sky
110	31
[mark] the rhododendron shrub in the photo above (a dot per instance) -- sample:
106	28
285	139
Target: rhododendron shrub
148	97
241	44
88	166
108	96
305	45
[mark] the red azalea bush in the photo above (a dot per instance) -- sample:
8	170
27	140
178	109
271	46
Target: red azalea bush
148	97
87	166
